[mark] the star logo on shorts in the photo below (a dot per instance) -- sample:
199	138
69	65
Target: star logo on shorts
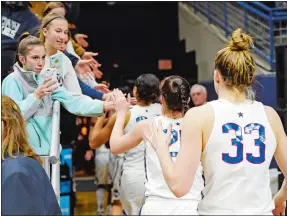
240	114
146	110
177	123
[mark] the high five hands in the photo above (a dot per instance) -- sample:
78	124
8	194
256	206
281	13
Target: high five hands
116	100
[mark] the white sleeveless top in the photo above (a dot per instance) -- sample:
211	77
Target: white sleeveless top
236	161
156	185
134	158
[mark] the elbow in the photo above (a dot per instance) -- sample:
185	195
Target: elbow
113	147
178	191
93	143
114	150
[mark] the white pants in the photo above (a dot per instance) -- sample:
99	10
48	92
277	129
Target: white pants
102	160
161	206
115	169
132	191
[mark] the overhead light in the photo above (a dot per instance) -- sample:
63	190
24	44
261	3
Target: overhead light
111	3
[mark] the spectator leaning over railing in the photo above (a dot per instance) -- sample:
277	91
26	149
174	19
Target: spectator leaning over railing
75	50
53	32
60	9
25	186
35	94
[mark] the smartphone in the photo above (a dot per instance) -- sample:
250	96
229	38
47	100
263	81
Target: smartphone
51	72
56	62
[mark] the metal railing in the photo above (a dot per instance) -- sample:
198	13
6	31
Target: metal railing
53	158
268	26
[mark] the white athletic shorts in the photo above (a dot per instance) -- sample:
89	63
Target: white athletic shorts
102	160
115	169
132	191
161	206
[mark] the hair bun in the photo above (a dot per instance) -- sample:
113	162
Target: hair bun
23	36
240	41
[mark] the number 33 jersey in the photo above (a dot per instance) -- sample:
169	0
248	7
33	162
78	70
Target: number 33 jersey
156	186
236	160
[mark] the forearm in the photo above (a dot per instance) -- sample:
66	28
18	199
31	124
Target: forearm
79	105
117	133
89	91
95	138
282	193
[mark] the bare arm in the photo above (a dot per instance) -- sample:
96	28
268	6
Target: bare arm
120	142
101	134
180	175
280	153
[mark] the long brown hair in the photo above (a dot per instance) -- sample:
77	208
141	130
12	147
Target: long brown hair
14	131
235	61
175	91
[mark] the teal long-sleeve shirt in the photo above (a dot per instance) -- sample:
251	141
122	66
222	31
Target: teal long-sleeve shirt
20	86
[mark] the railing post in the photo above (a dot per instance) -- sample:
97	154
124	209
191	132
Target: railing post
55	179
55	140
55	150
271	41
225	20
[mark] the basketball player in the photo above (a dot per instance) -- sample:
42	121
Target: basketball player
132	189
174	98
108	170
102	160
235	137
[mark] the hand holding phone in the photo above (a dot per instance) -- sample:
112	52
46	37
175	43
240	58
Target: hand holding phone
51	72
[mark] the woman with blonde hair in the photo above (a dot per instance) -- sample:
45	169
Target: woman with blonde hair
25	186
60	9
234	137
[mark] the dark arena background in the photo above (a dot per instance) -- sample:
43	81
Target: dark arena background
135	36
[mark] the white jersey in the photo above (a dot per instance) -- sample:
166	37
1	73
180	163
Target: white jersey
156	186
236	161
134	158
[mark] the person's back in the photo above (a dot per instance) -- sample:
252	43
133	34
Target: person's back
26	189
156	188
134	158
236	160
133	177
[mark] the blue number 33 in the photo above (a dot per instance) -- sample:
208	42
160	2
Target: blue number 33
238	143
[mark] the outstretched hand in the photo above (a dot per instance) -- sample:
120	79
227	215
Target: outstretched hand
80	39
102	88
122	104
